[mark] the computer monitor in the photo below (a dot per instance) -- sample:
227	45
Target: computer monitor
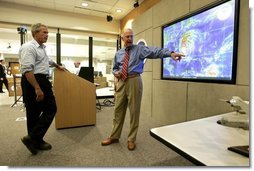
209	39
98	73
87	73
95	73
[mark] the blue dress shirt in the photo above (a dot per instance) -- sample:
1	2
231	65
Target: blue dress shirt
138	53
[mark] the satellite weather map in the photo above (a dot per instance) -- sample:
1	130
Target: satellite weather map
207	41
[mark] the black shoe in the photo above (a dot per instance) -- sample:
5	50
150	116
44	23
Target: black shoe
30	144
43	146
2	92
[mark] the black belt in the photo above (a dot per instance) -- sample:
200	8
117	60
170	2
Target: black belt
41	75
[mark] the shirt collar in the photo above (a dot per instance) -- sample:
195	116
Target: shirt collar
37	44
128	47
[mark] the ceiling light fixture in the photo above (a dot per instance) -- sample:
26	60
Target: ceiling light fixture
84	4
8	47
119	10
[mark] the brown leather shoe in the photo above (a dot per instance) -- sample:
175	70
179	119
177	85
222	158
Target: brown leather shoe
109	141
131	145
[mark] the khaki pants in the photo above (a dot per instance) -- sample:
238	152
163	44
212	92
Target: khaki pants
128	93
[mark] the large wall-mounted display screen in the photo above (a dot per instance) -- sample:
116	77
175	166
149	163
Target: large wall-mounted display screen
208	38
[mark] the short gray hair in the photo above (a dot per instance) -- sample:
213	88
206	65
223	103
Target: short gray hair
36	28
125	30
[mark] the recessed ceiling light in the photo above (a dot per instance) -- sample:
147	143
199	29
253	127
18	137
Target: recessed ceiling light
119	10
84	4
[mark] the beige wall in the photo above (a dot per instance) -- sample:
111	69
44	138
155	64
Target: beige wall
175	101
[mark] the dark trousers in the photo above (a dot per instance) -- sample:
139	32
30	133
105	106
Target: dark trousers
5	82
39	114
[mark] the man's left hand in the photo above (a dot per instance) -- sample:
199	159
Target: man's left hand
59	67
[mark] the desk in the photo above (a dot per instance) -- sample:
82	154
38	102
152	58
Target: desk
204	142
106	93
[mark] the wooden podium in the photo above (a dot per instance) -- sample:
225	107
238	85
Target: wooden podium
75	99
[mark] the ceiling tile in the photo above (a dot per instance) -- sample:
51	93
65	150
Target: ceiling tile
96	7
12	1
45	4
62	7
25	2
66	2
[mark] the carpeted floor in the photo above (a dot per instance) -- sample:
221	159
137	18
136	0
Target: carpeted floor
80	147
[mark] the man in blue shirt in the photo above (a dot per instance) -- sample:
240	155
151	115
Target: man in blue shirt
37	90
129	91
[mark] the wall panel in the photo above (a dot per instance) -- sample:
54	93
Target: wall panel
176	101
205	99
169	101
168	10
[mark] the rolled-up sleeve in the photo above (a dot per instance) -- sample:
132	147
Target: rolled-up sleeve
27	59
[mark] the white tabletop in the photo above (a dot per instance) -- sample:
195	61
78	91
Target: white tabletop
205	141
106	92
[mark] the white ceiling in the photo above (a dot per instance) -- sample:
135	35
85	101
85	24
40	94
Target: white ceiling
104	49
99	8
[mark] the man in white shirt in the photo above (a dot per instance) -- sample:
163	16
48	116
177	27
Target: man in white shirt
37	90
